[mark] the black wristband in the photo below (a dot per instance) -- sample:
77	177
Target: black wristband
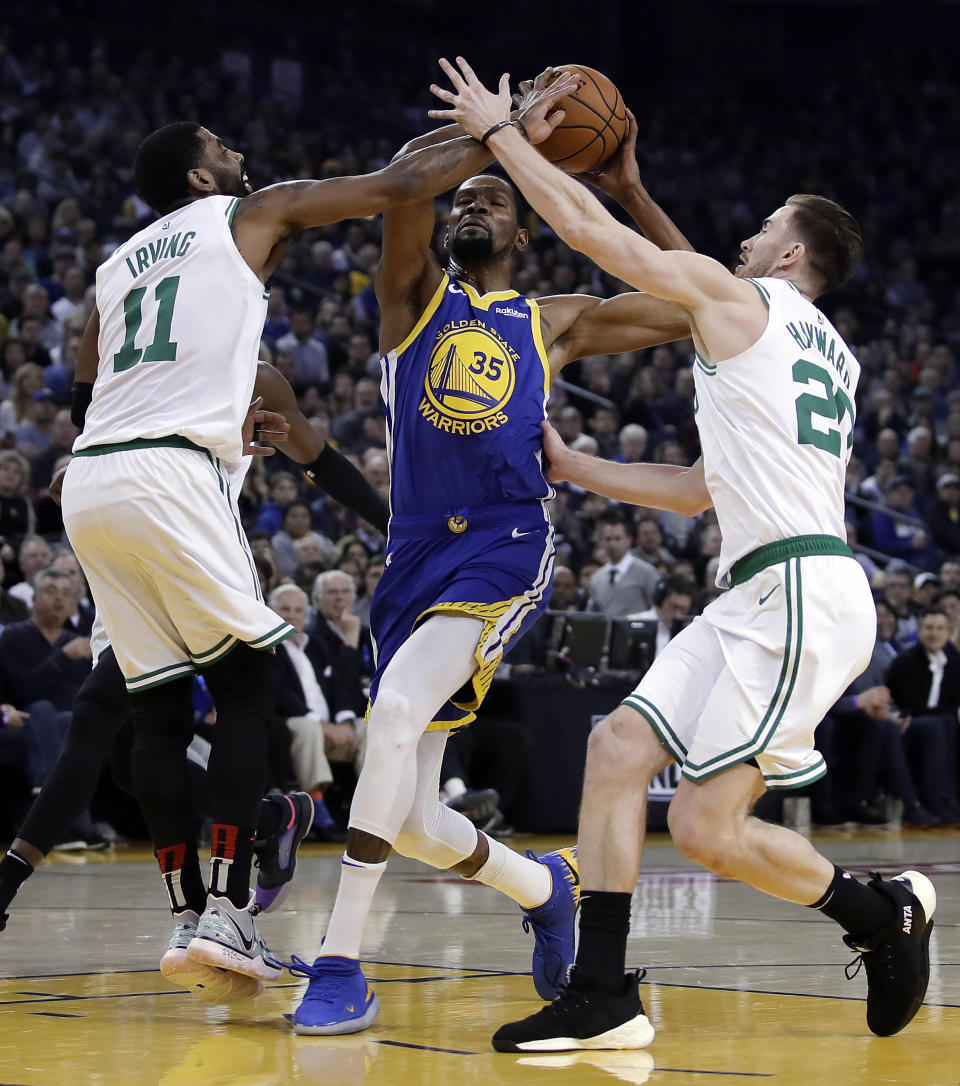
494	128
344	482
80	396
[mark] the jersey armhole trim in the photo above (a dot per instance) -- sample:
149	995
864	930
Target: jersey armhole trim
432	306
537	330
762	291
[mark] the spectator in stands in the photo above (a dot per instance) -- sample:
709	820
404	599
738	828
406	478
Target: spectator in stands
900	538
926	588
371	578
650	544
944	514
35	434
71	301
42	665
310	362
924	681
36	307
624	583
633	444
80	619
898	592
672	601
296	527
338	630
283	491
12	609
33	556
17	517
950	574
315	706
62	435
27	381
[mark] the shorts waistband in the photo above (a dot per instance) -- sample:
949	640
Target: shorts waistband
173	441
799	546
443	525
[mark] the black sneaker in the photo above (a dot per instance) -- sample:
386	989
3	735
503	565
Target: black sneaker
277	855
581	1017
897	959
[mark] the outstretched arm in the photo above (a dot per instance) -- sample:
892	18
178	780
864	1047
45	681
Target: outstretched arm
691	280
656	486
620	178
322	464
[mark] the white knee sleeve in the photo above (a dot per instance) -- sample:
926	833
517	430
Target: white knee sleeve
435	835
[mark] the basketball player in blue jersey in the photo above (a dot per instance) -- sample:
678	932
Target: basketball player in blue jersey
467	366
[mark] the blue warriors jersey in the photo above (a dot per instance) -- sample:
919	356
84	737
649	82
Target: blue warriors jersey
465	395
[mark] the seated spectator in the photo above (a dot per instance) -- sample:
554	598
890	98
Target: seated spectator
42	665
283	491
43	463
944	514
33	556
27	381
81	617
926	588
310	362
950	574
315	706
371	578
346	645
623	584
924	681
672	600
35	434
296	526
17	518
11	609
898	593
651	546
896	537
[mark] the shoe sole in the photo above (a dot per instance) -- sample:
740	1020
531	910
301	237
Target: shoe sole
636	1033
352	1025
208	984
281	894
207	952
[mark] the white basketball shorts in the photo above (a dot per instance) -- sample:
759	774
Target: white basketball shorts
753	676
166	559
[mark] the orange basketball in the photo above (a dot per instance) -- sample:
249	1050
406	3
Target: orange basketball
594	125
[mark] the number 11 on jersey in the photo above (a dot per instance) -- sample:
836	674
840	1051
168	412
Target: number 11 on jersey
161	349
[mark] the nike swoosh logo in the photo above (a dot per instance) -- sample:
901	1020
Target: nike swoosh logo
573	871
516	533
763	599
247	943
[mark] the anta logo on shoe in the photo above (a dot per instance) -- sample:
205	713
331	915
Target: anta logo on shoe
907	919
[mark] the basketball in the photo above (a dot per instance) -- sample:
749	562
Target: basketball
594	125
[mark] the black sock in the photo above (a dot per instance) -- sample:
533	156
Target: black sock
231	854
856	907
604	926
14	872
180	869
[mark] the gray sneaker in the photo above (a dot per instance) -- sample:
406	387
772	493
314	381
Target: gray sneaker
206	982
227	938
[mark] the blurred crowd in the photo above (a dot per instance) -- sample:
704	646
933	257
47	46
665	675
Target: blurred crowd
71	117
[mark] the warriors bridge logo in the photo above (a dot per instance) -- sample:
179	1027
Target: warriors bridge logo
469	380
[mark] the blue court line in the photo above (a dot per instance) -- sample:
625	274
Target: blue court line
766	991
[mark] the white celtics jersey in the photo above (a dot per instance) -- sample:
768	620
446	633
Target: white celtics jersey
181	314
776	428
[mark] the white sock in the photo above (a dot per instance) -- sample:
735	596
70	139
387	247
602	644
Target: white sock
529	883
358	884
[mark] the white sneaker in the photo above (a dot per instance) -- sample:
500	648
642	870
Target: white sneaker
207	983
227	938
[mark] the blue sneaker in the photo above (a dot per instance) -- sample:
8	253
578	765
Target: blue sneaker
338	998
554	923
277	856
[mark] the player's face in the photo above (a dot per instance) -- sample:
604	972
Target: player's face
225	165
483	220
760	254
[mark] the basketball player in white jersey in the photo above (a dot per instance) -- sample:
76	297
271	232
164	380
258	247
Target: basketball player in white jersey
165	374
736	696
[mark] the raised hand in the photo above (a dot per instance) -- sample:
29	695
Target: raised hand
476	108
620	174
536	101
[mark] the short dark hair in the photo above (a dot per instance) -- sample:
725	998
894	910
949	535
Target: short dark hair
831	235
161	163
933	609
613	517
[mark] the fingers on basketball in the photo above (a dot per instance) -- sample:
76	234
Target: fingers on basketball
594	123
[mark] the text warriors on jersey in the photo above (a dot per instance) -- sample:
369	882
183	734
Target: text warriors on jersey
470	379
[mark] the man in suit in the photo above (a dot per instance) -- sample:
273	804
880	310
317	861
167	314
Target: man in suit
924	681
624	584
317	706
